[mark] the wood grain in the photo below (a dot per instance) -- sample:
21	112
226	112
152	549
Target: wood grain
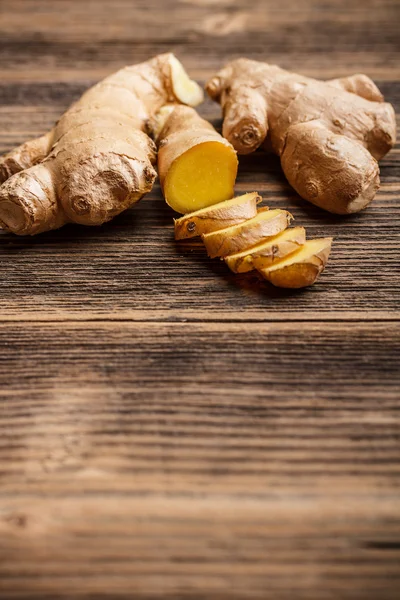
235	457
168	429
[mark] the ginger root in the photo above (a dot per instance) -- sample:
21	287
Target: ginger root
328	135
196	165
261	242
98	159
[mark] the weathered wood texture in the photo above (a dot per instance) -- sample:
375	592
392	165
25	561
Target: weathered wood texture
169	430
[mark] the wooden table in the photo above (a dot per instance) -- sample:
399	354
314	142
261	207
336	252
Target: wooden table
169	430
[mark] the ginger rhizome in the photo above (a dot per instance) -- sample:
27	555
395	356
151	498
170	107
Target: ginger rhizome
262	242
328	135
196	165
98	159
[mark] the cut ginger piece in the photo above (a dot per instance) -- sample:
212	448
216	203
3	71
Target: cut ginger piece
196	165
246	235
201	177
302	268
219	216
267	252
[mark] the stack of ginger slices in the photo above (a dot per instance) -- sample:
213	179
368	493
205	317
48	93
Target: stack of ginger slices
249	238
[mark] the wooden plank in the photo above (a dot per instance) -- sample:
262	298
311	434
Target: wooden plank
199	460
206	380
200	546
131	267
42	39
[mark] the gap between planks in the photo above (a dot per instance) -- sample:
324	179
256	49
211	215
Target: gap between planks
171	317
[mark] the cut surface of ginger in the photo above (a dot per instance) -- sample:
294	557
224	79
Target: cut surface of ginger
246	235
202	176
267	252
301	268
185	89
221	215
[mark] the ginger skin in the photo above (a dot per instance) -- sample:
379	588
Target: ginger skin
196	165
221	215
98	159
301	268
268	252
236	238
328	135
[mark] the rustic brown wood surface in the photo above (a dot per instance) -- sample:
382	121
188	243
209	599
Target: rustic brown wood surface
169	430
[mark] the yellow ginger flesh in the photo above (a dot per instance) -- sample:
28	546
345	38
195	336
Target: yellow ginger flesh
270	250
202	176
245	235
221	215
301	268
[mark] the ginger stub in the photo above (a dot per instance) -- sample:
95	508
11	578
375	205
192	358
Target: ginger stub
245	235
197	166
302	268
268	251
221	215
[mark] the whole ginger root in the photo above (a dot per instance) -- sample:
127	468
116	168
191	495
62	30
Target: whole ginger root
328	135
98	159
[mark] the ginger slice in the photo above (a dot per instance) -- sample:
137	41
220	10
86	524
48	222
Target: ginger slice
246	235
302	268
265	254
219	216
